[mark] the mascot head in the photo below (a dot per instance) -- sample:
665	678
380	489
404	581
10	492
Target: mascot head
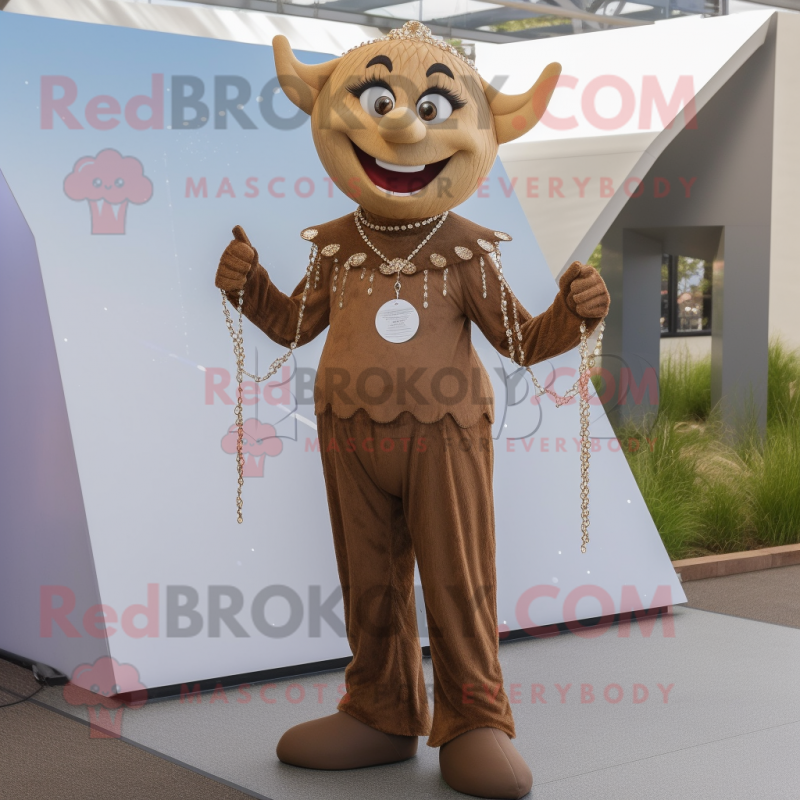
404	125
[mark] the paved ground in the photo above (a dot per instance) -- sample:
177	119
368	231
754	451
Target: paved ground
726	732
768	595
45	754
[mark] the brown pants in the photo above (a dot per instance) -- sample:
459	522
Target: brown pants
396	491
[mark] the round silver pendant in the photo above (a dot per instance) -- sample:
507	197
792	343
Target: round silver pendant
397	321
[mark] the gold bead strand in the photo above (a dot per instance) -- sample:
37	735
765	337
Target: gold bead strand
504	312
239	354
580	387
483	278
513	302
344	281
424	288
237	412
586	442
504	309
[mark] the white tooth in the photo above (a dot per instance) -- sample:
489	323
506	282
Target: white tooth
399	194
398	167
115	207
100	205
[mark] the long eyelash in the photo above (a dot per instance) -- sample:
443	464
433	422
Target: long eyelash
455	100
357	89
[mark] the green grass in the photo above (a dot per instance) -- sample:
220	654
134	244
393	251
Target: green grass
685	387
712	489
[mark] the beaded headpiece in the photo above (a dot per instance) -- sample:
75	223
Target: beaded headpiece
415	31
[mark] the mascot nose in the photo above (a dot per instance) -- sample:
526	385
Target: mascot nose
401	126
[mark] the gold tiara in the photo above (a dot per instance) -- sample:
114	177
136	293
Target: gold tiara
415	31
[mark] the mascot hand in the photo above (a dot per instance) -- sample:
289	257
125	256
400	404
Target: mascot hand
236	262
585	291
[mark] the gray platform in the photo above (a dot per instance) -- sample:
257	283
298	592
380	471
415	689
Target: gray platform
730	728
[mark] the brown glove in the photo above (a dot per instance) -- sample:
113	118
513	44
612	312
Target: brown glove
236	262
585	291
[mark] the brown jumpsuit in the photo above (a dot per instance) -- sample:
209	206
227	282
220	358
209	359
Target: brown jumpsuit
406	444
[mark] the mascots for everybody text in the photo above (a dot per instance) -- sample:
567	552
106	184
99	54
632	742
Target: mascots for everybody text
406	127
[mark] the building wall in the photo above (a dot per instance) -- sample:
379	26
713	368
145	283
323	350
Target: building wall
716	203
784	291
696	347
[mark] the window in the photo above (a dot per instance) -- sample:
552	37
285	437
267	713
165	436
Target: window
685	296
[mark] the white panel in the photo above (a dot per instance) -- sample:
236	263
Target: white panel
45	553
138	330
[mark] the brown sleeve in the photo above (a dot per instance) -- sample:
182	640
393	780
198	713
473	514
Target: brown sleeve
551	333
277	314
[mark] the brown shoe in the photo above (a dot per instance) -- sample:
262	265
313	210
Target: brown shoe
342	742
484	763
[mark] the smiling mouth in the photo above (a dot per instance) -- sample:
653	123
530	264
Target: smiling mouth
396	179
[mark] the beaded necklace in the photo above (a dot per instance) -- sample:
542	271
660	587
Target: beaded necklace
391	266
407	227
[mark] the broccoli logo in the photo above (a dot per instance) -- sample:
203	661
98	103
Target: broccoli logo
97	687
108	181
259	441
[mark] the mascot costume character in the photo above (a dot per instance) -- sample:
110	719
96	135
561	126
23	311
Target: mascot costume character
406	128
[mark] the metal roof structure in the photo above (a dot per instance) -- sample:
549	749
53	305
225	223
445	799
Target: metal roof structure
497	21
490	20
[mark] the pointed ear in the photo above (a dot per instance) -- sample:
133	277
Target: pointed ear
302	83
516	114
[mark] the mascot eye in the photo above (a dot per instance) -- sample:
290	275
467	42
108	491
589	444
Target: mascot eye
377	101
119	183
97	182
434	108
